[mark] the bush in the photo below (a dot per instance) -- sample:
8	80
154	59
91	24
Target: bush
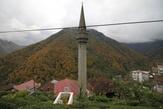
45	105
22	99
89	105
156	99
6	105
133	103
43	96
21	94
99	98
2	93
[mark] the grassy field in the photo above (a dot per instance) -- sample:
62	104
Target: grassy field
22	100
107	105
129	107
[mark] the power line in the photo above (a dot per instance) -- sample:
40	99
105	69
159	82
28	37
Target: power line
127	23
111	24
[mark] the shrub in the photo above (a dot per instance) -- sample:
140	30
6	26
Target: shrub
45	105
2	93
21	94
43	96
7	105
133	103
99	98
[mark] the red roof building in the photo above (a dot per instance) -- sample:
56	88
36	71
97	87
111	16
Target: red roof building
29	86
67	85
49	86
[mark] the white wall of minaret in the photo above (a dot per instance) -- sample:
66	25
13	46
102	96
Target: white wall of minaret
82	53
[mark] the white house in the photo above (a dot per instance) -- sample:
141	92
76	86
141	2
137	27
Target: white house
160	69
139	75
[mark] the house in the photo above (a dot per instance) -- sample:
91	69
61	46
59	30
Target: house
160	69
67	85
158	81
139	75
28	86
49	86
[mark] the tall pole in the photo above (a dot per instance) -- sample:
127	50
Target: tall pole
82	53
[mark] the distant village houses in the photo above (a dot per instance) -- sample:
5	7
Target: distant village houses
158	78
54	86
140	76
160	69
65	85
29	86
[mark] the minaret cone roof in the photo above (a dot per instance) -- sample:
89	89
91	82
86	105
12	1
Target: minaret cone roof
82	24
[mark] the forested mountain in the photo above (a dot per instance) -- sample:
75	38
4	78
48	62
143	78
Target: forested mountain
56	58
154	50
7	47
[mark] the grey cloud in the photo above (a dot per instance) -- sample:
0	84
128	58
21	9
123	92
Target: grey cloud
29	14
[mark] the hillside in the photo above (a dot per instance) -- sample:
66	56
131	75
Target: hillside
56	58
7	47
154	50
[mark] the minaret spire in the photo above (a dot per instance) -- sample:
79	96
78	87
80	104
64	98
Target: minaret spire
82	24
82	53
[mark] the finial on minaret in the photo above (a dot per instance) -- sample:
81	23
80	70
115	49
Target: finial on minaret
82	24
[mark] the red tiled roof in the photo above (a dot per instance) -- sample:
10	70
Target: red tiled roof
27	85
72	85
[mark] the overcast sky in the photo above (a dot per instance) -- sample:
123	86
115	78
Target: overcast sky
31	14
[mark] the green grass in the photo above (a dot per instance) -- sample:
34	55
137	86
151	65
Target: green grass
129	107
98	105
21	100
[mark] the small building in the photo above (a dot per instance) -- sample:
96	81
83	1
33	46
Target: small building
30	86
158	81
67	85
139	75
160	69
154	70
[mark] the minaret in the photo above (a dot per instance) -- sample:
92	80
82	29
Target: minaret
82	53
